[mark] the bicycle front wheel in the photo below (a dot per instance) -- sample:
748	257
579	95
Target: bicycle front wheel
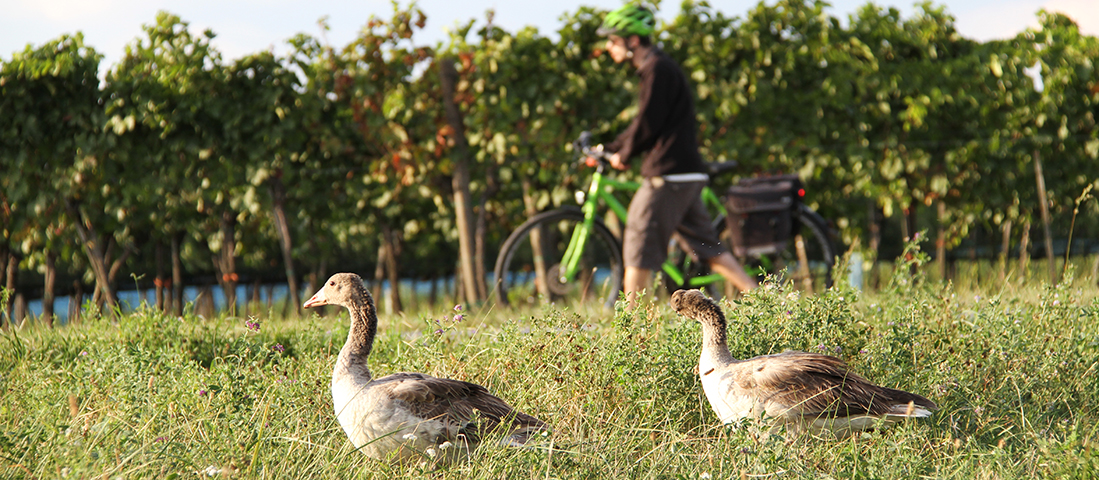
529	267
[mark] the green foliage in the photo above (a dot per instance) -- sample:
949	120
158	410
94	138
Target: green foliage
176	144
159	395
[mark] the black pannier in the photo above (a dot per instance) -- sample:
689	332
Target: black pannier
762	213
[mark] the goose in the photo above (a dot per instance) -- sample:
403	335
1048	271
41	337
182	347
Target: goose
409	415
806	392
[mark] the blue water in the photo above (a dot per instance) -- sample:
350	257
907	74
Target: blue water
130	300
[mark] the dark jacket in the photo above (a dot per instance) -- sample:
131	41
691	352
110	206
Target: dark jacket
665	125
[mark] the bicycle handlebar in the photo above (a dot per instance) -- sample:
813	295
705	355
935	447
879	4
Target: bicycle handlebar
593	156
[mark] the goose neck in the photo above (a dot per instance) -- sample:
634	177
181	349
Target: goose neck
364	326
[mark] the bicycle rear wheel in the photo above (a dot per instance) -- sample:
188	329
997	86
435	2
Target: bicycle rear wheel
529	268
806	263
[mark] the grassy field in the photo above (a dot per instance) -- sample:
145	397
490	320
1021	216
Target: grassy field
153	396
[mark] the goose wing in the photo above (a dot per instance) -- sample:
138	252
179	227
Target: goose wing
810	385
465	408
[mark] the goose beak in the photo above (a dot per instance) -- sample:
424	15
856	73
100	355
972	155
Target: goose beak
317	300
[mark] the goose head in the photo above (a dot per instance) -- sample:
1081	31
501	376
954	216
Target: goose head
342	289
694	304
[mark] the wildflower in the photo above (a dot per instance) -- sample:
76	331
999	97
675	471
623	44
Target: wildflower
212	471
458	307
445	445
430	452
250	325
278	348
889	323
160	439
201	393
410	436
439	332
704	475
84	353
458	317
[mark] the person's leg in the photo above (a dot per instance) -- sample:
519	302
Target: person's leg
634	281
727	265
654	213
697	230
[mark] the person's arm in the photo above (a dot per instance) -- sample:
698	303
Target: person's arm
654	106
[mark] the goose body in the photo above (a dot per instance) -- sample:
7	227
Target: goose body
805	391
409	415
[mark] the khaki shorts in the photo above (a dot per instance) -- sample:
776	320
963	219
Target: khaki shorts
660	209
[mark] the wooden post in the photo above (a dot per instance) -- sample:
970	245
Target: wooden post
1043	202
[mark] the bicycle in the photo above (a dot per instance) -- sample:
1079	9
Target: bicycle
572	251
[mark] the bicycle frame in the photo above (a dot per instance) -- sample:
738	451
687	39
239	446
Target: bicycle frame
602	188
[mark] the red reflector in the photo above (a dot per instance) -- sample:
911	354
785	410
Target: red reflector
801	192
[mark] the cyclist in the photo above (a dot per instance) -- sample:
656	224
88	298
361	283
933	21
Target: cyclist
669	198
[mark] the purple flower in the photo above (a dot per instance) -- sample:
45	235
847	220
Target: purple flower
890	324
201	393
458	317
84	353
160	439
458	307
439	332
279	348
253	326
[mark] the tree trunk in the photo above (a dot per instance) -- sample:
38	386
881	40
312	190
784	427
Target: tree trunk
393	249
76	301
161	283
1005	245
177	274
95	249
1043	202
282	225
19	309
379	270
1024	250
225	261
49	288
875	217
10	266
940	238
540	267
460	182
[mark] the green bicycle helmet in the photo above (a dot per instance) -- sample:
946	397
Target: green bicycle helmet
628	20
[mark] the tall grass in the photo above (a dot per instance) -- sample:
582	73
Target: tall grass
1013	370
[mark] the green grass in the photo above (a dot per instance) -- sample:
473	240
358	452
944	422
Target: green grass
1015	372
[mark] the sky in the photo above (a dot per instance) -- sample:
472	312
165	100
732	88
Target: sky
248	26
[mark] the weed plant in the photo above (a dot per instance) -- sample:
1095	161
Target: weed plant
149	395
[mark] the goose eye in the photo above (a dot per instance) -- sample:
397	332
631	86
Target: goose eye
332	283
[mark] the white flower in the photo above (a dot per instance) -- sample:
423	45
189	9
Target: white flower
430	452
212	471
410	436
445	445
704	475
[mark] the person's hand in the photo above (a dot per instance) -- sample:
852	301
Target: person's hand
616	161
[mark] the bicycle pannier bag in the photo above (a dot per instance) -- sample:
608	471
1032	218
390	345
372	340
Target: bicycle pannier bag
761	213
